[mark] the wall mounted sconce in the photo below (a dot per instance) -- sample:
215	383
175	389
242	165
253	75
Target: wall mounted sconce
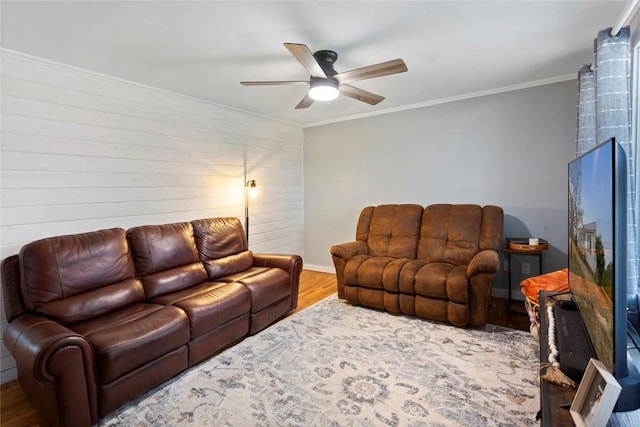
251	192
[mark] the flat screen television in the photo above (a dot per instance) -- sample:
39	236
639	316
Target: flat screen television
597	261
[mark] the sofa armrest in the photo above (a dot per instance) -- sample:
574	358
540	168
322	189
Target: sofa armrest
350	249
486	261
481	271
342	253
292	264
56	369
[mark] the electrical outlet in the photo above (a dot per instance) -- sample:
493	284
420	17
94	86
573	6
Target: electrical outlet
505	265
526	268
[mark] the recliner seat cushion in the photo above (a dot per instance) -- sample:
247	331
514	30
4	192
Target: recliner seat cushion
444	281
214	306
243	274
267	287
375	272
127	339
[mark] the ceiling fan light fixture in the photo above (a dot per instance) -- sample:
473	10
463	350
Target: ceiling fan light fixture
326	84
323	89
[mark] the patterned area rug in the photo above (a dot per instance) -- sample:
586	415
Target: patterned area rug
338	365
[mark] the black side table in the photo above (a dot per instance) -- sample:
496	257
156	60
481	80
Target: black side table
520	246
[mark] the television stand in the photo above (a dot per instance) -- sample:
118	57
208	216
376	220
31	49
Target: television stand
555	400
574	348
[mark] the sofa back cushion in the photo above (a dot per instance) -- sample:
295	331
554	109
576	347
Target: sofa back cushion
166	257
79	277
455	233
219	237
222	246
491	233
391	230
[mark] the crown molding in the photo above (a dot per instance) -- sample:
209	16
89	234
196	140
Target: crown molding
456	98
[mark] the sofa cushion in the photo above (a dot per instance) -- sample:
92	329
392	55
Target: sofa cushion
267	287
96	303
227	265
130	338
375	272
219	237
442	280
450	233
222	246
210	304
394	230
174	279
78	277
491	230
161	247
243	274
166	257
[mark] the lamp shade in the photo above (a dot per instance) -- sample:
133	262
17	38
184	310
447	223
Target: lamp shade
252	189
323	89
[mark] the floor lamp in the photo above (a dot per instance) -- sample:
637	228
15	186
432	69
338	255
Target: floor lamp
250	192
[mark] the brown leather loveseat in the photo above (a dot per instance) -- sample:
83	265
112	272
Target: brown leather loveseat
436	262
98	318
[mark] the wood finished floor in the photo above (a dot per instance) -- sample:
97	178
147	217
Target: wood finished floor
16	411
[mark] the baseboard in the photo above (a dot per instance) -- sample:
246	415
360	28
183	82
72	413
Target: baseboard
320	268
500	293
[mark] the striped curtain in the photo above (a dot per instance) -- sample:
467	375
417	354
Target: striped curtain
604	111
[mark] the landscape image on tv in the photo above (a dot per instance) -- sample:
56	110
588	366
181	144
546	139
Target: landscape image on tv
591	234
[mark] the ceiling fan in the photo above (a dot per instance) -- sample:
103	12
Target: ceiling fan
326	83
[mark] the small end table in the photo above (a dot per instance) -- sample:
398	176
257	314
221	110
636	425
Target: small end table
521	246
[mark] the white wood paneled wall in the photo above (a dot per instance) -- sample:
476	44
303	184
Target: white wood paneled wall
83	151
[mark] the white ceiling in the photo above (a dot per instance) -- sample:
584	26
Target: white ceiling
205	48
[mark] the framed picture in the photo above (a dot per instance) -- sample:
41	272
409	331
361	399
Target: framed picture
596	396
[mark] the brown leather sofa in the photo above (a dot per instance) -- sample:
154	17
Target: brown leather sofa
98	318
437	262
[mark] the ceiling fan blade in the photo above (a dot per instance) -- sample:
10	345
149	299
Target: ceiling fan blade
360	94
305	57
378	70
305	102
272	83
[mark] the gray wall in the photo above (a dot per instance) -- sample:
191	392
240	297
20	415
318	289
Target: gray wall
509	149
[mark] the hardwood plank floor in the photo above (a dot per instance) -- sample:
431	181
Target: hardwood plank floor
16	411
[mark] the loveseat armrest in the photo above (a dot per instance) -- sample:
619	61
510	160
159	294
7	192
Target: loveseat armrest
481	270
292	264
486	261
348	250
342	253
56	370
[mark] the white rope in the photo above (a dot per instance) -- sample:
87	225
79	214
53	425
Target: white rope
553	354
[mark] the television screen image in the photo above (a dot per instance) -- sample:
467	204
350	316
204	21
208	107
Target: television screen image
591	247
597	263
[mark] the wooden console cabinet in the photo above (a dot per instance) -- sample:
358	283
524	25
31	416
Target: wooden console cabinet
555	400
